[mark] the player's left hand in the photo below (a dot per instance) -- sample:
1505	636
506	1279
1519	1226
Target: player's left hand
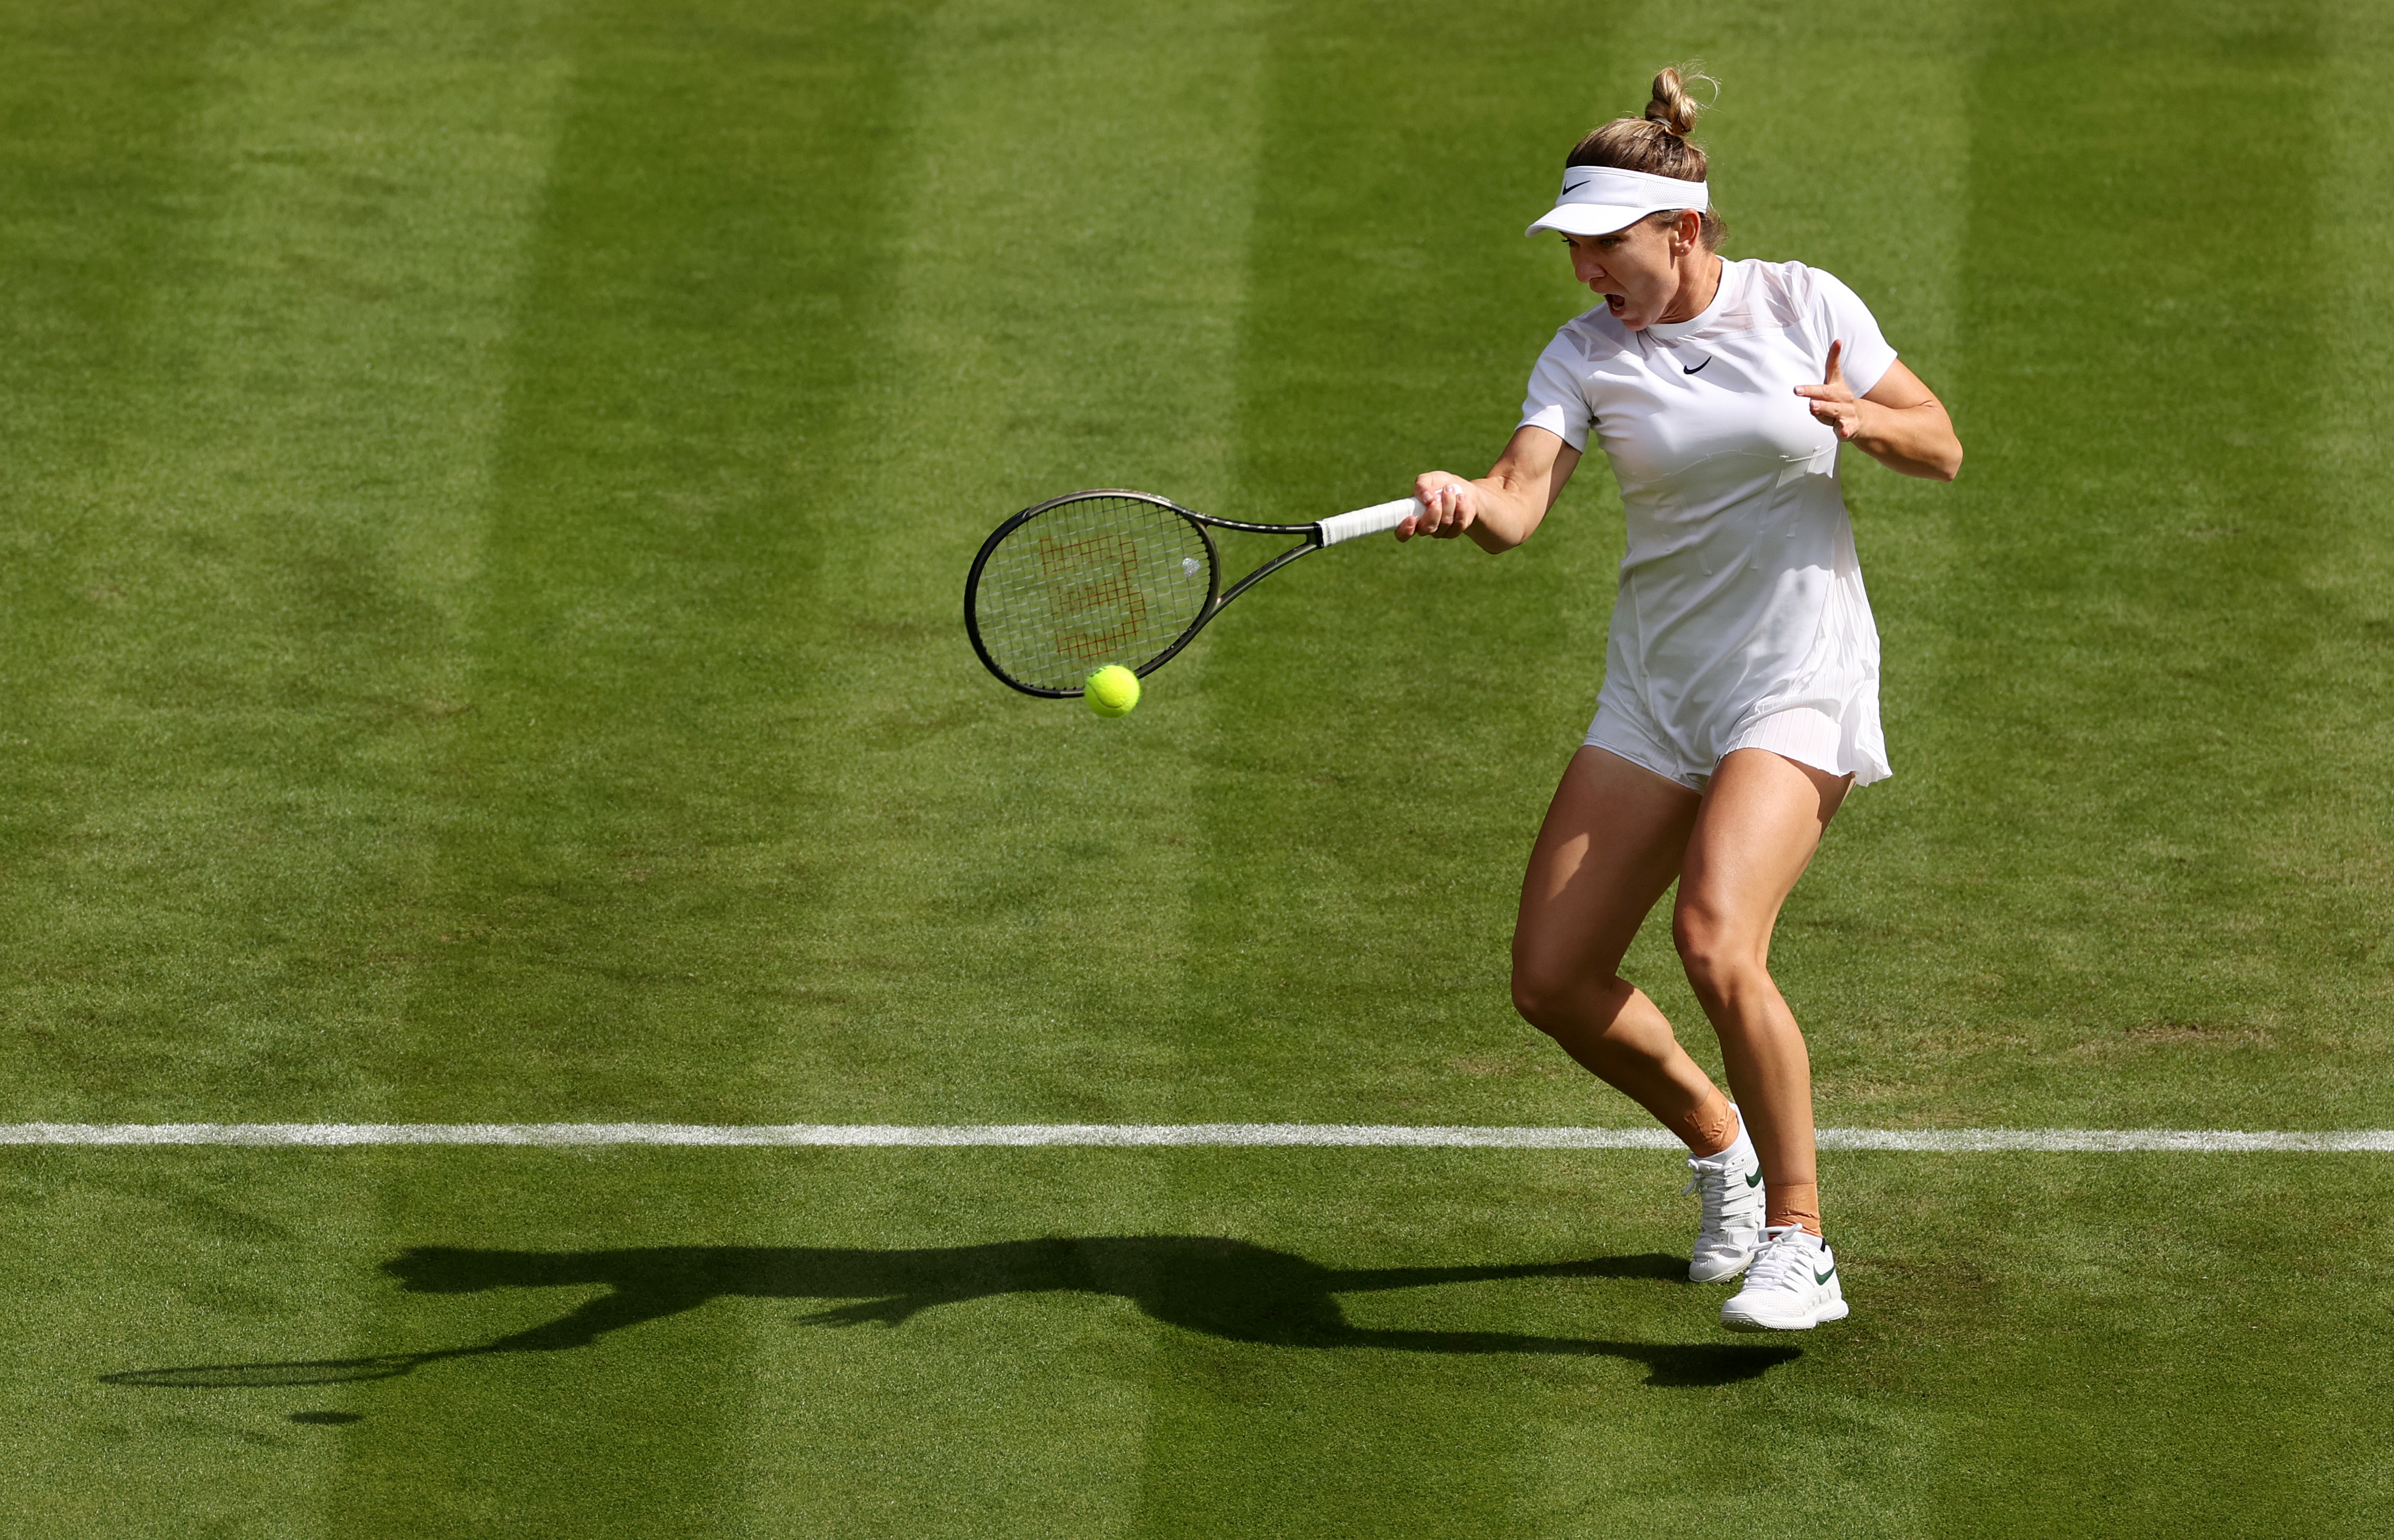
1834	402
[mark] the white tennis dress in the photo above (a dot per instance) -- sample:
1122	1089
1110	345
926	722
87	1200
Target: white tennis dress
1741	621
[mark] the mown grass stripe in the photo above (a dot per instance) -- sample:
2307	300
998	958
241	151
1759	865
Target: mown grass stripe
1238	1134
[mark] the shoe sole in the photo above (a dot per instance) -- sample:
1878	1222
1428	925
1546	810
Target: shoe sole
1696	1275
1836	1310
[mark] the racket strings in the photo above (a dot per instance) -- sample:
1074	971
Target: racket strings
1096	580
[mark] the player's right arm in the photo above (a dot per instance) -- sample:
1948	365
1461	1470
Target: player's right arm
1503	507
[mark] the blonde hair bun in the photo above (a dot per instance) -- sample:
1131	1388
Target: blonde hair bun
1672	106
1658	143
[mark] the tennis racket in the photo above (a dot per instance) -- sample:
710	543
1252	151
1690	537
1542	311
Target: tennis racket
1093	578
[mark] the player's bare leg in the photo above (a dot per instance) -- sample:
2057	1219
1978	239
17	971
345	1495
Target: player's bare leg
1612	843
1762	818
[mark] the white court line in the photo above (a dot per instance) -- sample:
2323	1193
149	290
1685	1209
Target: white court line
1120	1135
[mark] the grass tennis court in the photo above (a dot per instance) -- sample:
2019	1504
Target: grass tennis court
484	497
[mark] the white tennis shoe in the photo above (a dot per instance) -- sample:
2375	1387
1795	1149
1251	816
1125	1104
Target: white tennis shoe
1792	1285
1730	1233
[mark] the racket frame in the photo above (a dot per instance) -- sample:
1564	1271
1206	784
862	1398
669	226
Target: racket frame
1216	599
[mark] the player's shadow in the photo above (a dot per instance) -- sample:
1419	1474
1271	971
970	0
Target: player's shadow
1223	1288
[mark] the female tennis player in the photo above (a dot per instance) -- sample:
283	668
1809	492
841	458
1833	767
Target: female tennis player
1741	683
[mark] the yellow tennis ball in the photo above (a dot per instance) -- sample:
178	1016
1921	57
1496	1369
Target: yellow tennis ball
1112	691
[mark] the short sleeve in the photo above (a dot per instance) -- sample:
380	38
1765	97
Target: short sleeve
1556	402
1838	315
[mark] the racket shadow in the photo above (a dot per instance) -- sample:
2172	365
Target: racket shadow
1227	1289
317	1371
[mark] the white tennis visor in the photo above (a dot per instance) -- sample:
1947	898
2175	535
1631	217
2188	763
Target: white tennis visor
1597	200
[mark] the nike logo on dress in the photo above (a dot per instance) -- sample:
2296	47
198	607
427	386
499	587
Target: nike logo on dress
1697	370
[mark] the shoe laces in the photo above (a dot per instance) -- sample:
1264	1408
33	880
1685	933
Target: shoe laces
1726	1196
1784	1262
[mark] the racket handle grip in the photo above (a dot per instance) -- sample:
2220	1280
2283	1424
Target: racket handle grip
1376	520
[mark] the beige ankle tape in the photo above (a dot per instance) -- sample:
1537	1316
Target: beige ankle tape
1791	1203
1708	1127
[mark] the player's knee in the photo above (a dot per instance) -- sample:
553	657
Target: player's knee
1717	953
1543	993
1533	997
1554	998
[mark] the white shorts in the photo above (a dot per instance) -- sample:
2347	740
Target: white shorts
1806	735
